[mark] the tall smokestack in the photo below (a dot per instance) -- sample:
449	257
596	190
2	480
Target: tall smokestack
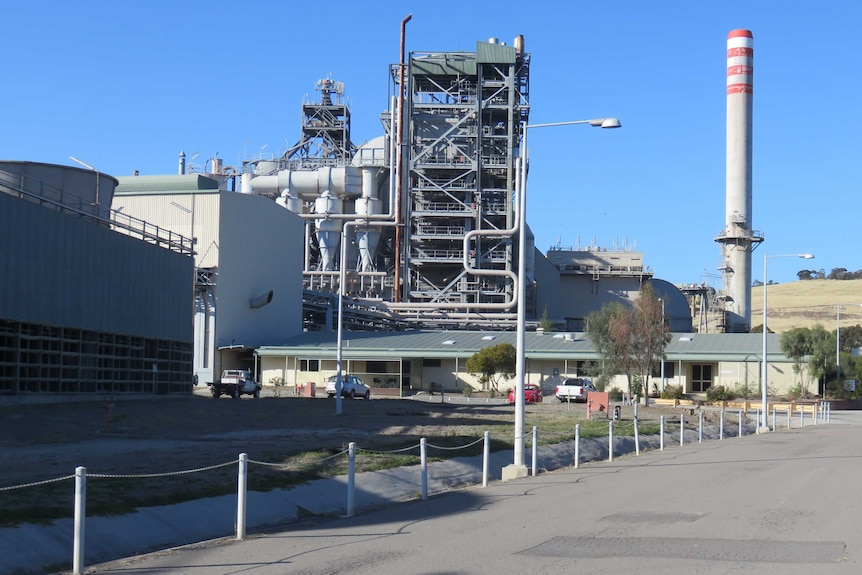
738	239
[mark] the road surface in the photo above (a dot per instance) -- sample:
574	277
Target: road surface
778	503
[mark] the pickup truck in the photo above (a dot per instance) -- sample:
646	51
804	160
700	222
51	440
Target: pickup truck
574	389
236	382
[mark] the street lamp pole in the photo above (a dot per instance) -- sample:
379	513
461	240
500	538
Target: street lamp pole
764	422
520	355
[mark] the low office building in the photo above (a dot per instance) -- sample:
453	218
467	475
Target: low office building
408	362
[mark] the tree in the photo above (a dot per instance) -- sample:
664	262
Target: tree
493	364
837	274
796	344
544	323
598	330
822	360
631	340
651	335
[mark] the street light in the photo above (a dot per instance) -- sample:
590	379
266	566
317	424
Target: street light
838	343
764	424
520	360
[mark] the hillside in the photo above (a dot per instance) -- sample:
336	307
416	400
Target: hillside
809	302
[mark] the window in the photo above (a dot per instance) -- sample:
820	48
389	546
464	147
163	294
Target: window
309	365
668	370
701	377
375	367
431	362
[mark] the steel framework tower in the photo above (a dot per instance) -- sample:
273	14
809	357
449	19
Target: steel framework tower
463	115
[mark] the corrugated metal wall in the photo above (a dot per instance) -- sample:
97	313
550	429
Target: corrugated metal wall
59	270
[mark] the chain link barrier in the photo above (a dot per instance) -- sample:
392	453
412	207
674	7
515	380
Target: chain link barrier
37	483
283	465
481	439
164	474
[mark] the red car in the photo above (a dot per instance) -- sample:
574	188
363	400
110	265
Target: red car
532	394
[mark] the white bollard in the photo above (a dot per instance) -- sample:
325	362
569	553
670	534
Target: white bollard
681	428
241	493
637	437
788	418
611	440
351	479
773	418
661	433
80	514
700	427
486	455
423	458
740	422
535	450
577	444
721	425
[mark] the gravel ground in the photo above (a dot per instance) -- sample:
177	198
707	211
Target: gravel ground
41	441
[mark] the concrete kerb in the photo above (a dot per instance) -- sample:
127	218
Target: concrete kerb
33	548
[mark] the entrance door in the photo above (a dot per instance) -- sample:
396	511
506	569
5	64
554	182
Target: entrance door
701	377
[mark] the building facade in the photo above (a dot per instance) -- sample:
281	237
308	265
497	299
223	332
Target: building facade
88	304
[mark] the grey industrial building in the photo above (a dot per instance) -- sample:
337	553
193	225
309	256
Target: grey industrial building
88	303
247	255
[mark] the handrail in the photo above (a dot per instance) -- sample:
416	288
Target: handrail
16	184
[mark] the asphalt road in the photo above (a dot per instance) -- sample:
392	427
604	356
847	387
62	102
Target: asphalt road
781	502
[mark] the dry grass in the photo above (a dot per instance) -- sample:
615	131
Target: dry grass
807	303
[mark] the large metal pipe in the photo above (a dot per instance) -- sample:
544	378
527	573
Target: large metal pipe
399	163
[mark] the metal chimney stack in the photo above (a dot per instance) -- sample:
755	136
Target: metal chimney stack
738	239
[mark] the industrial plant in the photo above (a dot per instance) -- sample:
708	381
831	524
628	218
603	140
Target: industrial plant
415	229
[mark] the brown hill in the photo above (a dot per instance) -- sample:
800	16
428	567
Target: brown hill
806	303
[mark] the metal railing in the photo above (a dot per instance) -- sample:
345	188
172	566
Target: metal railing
37	191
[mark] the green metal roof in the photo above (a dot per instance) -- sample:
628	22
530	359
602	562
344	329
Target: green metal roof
488	53
567	345
444	64
137	185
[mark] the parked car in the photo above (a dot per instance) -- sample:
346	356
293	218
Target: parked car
351	386
532	394
235	382
574	389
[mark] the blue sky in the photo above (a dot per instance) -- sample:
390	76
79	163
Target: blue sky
127	85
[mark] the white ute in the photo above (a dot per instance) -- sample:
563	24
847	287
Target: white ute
574	389
236	382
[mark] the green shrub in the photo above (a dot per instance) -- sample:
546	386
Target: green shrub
835	390
615	394
746	391
672	392
720	393
467	390
795	392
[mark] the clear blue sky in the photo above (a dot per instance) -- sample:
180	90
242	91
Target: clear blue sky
126	85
